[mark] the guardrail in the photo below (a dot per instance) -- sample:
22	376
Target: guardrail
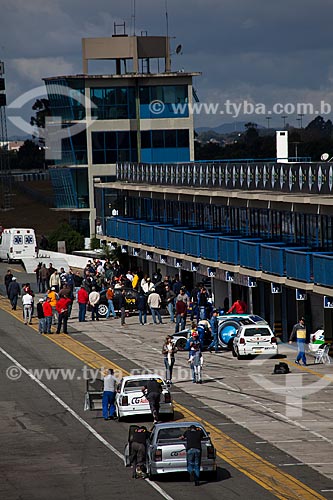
275	258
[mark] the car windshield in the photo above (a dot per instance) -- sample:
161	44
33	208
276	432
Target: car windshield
172	433
257	332
134	385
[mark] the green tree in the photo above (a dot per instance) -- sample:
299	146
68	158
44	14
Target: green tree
65	232
30	156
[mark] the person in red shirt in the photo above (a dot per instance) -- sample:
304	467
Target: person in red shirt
181	312
239	307
48	315
82	299
62	308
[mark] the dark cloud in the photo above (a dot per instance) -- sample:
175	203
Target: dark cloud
246	49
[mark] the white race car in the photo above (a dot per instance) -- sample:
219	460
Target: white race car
252	340
130	399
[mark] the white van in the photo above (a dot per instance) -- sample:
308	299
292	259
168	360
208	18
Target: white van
16	244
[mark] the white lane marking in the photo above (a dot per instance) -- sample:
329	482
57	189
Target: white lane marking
80	419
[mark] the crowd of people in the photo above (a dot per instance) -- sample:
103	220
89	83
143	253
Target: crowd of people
149	294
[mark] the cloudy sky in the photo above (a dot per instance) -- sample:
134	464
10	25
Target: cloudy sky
259	51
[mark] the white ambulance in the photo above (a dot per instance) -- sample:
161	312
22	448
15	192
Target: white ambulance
18	243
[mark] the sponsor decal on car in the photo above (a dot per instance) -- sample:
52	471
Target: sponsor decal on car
138	400
181	453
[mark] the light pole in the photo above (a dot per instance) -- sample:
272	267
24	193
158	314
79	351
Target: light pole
268	118
300	119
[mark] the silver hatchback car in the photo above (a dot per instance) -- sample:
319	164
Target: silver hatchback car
166	451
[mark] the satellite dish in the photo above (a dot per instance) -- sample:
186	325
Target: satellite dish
179	49
324	156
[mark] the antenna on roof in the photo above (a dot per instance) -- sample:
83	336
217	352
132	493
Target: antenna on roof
167	18
133	16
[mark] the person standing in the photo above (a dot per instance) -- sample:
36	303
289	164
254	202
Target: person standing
152	390
7	280
299	333
214	325
14	291
94	297
195	357
54	281
110	297
40	316
37	272
193	438
62	309
154	302
43	277
170	298
109	395
27	301
181	312
122	307
141	303
83	300
53	303
48	315
239	307
168	351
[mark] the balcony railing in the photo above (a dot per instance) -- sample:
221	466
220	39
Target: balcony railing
300	177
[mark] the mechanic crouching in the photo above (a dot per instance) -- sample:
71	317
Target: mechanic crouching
153	391
138	452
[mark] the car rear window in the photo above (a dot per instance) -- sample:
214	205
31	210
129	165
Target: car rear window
257	332
134	385
172	433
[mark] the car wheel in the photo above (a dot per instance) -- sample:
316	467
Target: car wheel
102	310
180	344
118	417
227	331
231	344
149	474
234	352
239	356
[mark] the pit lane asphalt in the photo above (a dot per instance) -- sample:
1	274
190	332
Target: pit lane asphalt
46	453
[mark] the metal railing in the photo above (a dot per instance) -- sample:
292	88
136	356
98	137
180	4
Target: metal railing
306	178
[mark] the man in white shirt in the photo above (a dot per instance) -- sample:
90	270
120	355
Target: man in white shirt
109	394
27	301
154	302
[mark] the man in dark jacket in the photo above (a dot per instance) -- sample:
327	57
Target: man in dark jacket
193	438
170	298
122	307
41	316
14	291
138	451
214	324
141	304
152	390
7	280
